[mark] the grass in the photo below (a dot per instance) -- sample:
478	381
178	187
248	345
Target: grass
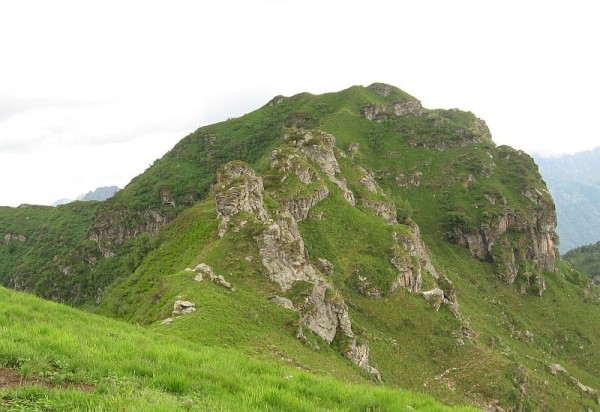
125	367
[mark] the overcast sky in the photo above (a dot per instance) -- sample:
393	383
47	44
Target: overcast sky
92	92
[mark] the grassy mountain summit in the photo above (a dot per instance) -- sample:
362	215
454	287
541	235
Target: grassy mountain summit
353	234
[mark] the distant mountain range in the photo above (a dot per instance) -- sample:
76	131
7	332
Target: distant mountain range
574	181
101	193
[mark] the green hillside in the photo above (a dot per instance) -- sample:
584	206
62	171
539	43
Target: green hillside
78	361
354	235
586	259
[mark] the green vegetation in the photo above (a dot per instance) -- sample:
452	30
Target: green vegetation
126	258
78	361
586	259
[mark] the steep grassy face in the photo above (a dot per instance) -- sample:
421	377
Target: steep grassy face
36	248
79	361
586	259
394	237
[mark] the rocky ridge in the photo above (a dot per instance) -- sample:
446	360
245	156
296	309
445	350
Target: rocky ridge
311	157
281	249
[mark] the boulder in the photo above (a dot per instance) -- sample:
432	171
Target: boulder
183	307
283	302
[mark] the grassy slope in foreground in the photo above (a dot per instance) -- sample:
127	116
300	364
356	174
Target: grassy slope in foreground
125	367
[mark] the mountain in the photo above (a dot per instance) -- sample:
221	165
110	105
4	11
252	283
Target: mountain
574	181
353	234
100	194
586	259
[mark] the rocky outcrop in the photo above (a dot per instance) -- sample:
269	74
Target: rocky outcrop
381	88
412	270
238	189
377	112
204	271
380	112
407	108
327	315
183	307
10	236
283	302
319	147
276	100
324	266
383	209
300	206
359	354
520	245
281	248
115	226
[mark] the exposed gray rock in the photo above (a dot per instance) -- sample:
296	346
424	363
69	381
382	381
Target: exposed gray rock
556	368
110	231
584	388
166	197
238	189
281	249
359	354
369	182
299	207
324	266
203	270
374	112
183	307
412	270
435	295
286	160
383	209
320	148
491	243
381	89
326	315
167	321
276	100
352	149
13	236
283	302
407	108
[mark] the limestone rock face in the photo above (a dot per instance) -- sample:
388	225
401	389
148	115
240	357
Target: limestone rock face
381	89
326	316
238	189
281	249
320	148
407	108
300	206
280	245
411	272
376	112
536	252
109	231
359	354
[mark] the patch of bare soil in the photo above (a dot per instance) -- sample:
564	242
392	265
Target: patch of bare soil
10	379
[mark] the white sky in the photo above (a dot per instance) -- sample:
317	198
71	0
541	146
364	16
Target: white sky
92	92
